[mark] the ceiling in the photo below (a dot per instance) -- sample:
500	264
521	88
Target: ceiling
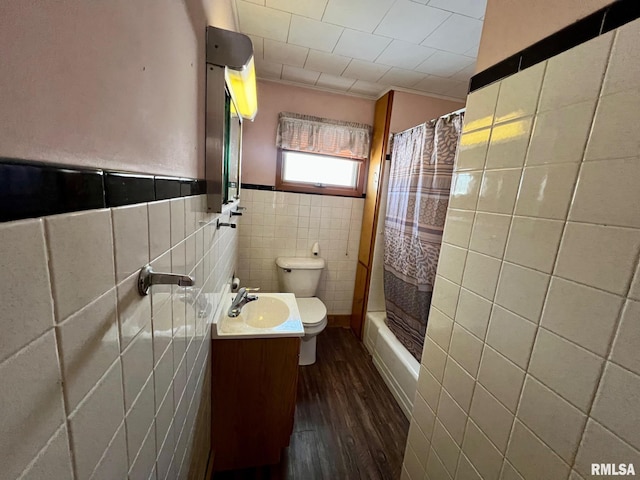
365	47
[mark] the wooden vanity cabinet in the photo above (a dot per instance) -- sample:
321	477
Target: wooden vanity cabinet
253	399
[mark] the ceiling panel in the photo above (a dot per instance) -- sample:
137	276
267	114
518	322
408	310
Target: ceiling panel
366	46
363	46
457	34
326	62
367	71
263	21
285	53
299	75
306	8
443	64
411	21
363	15
367	88
334	82
471	8
404	55
313	34
398	77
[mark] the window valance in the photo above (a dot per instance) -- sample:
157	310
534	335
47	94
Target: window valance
305	133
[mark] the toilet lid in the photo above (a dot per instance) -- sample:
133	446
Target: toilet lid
312	310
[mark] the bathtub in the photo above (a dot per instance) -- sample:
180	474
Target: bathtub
397	366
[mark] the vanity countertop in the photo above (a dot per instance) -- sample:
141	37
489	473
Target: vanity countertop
272	315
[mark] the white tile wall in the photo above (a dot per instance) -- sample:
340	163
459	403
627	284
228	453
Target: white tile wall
87	395
538	351
277	224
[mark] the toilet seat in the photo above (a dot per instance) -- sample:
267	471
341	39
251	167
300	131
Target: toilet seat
312	310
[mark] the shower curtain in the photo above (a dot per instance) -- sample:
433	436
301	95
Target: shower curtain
419	183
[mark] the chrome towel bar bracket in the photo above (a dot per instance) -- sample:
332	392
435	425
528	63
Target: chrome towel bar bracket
147	277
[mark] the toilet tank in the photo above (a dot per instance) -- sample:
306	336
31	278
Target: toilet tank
300	276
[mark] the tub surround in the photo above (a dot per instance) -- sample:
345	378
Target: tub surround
530	367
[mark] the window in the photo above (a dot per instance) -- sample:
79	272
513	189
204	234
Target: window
312	172
318	155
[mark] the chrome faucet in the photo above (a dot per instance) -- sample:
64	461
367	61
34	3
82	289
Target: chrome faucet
147	277
242	298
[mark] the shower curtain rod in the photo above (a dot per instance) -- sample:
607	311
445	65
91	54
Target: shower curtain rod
446	115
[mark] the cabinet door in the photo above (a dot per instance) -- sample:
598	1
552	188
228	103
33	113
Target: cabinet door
253	396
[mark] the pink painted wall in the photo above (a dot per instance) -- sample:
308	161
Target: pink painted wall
410	110
512	25
259	136
112	84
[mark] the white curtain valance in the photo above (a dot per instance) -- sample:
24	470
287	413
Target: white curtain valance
305	133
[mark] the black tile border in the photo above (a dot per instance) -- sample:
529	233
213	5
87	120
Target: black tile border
35	189
598	23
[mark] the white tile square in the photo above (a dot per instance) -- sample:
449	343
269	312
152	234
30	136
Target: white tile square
467	35
95	422
560	135
326	62
484	456
451	262
88	346
435	467
411	22
434	359
533	242
142	466
464	190
335	83
404	55
546	191
444	65
522	291
309	8
481	107
491	417
616	403
310	33
268	70
499	190
533	458
453	418
607	193
599	256
262	21
481	274
553	419
439	328
472	150
178	227
137	365
582	314
623	72
300	75
508	144
429	388
113	464
413	466
446	448
575	75
423	415
32	406
80	259
363	15
53	461
25	292
159	228
140	418
360	45
599	442
467	470
519	94
501	378
466	349
418	442
367	71
457	229
459	384
473	313
566	368
284	53
445	296
490	231
511	335
470	8
625	347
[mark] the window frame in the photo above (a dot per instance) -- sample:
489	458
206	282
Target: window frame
299	187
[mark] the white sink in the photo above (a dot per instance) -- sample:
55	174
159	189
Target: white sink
271	315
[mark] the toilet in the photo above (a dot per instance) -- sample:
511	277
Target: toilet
301	277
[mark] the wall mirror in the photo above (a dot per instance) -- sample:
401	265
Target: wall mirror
230	98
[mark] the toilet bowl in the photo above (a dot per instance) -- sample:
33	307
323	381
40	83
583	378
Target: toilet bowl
301	276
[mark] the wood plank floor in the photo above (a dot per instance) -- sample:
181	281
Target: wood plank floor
347	424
